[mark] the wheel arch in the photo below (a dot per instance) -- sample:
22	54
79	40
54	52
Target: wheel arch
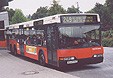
15	49
41	55
39	52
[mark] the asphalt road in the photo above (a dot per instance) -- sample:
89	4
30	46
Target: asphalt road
102	70
20	67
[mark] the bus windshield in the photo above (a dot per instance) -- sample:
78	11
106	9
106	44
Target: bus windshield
79	36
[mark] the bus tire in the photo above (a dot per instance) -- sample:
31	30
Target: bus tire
15	50
42	59
10	48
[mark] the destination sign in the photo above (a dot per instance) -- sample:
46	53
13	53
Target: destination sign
79	19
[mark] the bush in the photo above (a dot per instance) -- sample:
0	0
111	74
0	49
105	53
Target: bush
107	42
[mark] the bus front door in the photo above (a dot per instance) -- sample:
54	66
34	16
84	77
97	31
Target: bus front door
51	45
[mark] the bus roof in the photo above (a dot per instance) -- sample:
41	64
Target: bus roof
49	20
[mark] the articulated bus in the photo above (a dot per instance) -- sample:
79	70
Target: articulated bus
3	22
59	40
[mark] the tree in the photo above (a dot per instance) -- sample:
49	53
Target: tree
109	5
18	17
29	17
56	9
72	9
11	13
41	12
102	11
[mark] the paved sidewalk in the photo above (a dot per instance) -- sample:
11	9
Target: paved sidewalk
14	67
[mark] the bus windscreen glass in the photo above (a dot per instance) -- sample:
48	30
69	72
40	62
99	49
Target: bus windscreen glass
86	36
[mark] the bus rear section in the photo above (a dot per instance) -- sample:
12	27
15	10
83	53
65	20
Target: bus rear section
2	39
3	22
80	44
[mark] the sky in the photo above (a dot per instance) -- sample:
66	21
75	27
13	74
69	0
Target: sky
30	6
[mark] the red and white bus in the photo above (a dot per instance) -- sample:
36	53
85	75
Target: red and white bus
4	21
63	39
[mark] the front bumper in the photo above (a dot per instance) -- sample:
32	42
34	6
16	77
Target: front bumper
82	61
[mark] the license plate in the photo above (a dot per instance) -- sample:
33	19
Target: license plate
72	62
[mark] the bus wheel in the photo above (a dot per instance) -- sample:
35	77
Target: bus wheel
11	48
42	59
15	50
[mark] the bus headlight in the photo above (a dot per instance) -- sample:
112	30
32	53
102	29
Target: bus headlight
67	58
98	55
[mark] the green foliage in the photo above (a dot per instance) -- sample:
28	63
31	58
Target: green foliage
107	38
102	11
11	13
107	42
29	17
109	5
18	17
45	11
56	9
72	9
41	12
105	11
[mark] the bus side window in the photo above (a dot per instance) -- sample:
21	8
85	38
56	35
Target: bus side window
39	40
27	40
31	40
